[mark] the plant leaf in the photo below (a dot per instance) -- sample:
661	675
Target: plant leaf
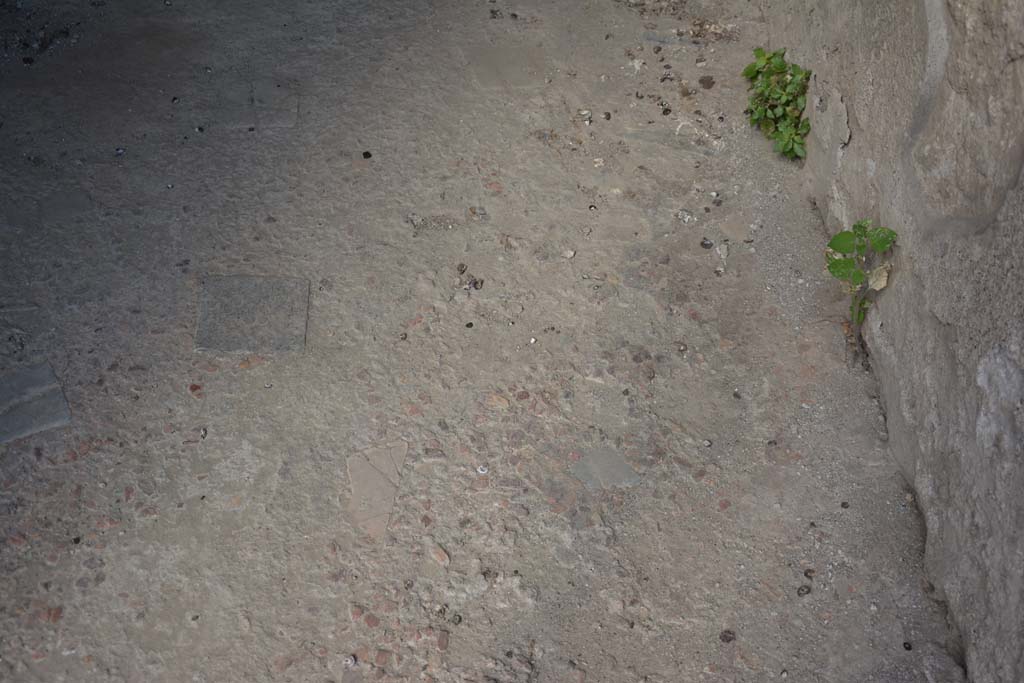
842	268
881	239
750	71
857	277
842	242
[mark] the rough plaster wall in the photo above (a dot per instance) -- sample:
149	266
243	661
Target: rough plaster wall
918	123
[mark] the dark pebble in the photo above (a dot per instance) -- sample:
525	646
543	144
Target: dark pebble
844	505
367	155
706	243
666	111
809	573
803	590
27	60
607	116
461	268
727	636
469	324
907	645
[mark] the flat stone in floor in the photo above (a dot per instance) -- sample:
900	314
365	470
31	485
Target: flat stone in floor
604	468
374	477
253	314
31	401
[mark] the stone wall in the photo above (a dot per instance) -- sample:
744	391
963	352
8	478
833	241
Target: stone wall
918	123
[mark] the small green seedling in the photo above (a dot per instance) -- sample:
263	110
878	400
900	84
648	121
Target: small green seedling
778	101
855	257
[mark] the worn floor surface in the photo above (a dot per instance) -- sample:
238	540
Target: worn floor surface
378	345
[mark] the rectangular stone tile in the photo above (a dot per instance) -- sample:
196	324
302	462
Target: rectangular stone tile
252	314
31	401
374	477
262	103
603	468
507	66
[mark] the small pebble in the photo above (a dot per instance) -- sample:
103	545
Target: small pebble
350	661
803	590
367	155
727	636
844	505
607	116
533	340
907	646
482	469
707	443
706	243
470	325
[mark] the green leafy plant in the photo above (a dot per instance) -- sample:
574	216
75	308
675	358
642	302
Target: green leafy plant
778	101
855	257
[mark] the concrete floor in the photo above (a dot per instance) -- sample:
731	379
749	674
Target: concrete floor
473	402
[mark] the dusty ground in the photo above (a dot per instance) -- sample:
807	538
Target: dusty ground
621	456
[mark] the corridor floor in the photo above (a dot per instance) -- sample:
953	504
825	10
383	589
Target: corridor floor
431	341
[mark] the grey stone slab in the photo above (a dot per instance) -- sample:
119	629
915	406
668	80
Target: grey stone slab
31	401
374	477
504	66
604	468
263	102
254	314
